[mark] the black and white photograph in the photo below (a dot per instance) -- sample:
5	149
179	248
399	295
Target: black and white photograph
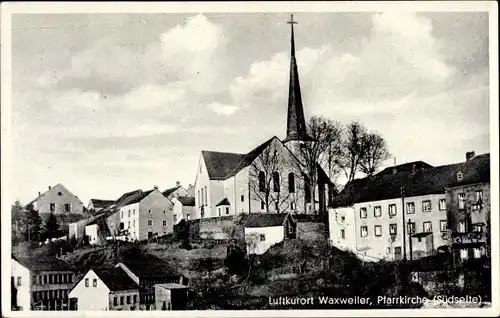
250	158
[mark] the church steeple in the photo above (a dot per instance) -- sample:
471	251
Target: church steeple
296	124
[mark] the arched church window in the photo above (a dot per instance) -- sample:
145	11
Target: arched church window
291	182
262	181
276	181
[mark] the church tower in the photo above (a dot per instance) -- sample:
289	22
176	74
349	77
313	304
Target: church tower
296	131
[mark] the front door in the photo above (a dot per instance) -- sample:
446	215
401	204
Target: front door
397	253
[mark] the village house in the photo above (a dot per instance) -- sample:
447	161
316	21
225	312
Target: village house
171	296
136	215
177	191
270	178
183	208
42	283
147	274
96	205
367	216
57	200
469	209
263	230
77	229
106	289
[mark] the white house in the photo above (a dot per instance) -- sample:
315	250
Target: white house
342	228
41	283
178	191
58	200
263	230
183	208
106	289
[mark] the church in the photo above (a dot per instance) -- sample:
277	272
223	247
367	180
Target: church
269	178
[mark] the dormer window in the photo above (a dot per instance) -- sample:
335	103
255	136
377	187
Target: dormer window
459	176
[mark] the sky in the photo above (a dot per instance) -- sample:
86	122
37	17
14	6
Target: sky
110	103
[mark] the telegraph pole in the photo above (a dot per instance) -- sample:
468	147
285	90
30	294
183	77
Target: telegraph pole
404	221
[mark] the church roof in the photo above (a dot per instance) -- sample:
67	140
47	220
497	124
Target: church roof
220	164
251	156
224	201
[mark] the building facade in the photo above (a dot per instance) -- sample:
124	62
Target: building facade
42	283
57	200
183	208
106	289
469	210
400	212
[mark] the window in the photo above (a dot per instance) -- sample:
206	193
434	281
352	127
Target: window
175	218
94	282
291	182
393	229
133	223
426	206
410	208
56	279
242	198
128	225
477	252
133	211
411	227
442	204
392	209
115	301
67	207
52	207
363	214
262	181
292	206
427	227
262	205
443	225
188	217
122	226
135	299
122	300
150	222
461	201
202	197
459	176
206	195
479	195
149	211
342	234
227	210
164	223
128	213
388	250
377	211
364	231
342	219
477	228
59	193
262	237
164	212
45	279
276	181
464	253
378	230
121	214
61	278
129	299
50	278
86	282
19	280
461	227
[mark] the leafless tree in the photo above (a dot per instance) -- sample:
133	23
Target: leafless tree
353	149
375	153
323	150
266	179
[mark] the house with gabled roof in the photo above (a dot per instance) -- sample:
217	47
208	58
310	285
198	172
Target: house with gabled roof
177	191
58	200
106	289
183	208
96	205
263	230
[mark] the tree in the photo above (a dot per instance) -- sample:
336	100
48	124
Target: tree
375	153
51	227
353	149
323	150
17	215
266	176
31	224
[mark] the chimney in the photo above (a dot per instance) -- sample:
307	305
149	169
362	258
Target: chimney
177	184
155	187
50	187
394	171
39	193
469	155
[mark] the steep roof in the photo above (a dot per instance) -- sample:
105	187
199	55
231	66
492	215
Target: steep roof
425	181
224	201
186	201
266	219
51	188
100	204
220	164
151	268
168	192
132	197
251	156
115	278
43	263
406	167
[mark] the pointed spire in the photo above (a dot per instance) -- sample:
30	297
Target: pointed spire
296	124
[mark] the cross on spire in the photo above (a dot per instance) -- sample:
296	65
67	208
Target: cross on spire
291	20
